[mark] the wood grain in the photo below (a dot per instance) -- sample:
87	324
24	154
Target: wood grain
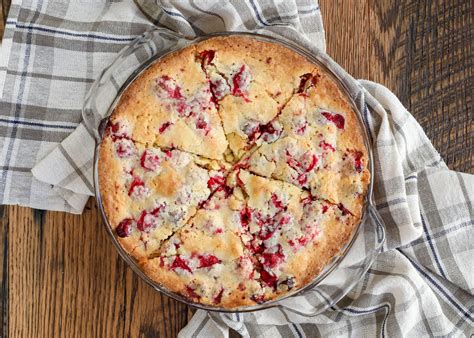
66	280
61	276
3	15
422	51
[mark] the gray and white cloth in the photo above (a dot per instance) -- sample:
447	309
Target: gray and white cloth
423	282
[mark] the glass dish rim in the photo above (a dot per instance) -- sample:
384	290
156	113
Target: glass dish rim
368	206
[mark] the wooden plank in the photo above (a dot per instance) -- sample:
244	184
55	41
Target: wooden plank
3	15
422	51
4	226
66	280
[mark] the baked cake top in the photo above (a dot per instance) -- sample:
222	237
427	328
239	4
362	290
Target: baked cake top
233	171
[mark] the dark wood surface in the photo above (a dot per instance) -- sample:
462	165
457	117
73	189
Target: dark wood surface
61	276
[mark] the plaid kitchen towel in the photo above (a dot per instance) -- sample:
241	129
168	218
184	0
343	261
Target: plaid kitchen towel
52	52
421	284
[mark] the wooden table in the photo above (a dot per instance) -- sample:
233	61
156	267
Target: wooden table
61	276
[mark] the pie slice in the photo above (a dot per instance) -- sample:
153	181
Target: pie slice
251	81
291	234
320	148
171	105
148	193
206	260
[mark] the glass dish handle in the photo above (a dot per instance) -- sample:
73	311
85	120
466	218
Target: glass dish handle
92	119
340	281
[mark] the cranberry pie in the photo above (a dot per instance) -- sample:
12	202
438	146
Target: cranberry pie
233	171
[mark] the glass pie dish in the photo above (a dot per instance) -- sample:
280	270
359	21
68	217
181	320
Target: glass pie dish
340	274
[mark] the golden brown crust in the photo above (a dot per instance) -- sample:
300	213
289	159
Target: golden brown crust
231	175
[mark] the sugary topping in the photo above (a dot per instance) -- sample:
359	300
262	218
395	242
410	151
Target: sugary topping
167	88
124	148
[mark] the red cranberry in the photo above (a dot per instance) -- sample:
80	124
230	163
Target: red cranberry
136	182
326	146
124	148
142	225
181	108
240	81
307	81
245	217
311	231
302	240
269	132
256	248
117	130
113	127
124	228
158	209
164	126
325	208
358	161
208	261
191	292
268	278
267	231
215	182
302	128
312	164
218	297
337	119
284	219
302	179
180	263
291	161
304	82
276	202
167	85
206	57
226	190
219	88
299	165
271	260
252	130
150	160
203	125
